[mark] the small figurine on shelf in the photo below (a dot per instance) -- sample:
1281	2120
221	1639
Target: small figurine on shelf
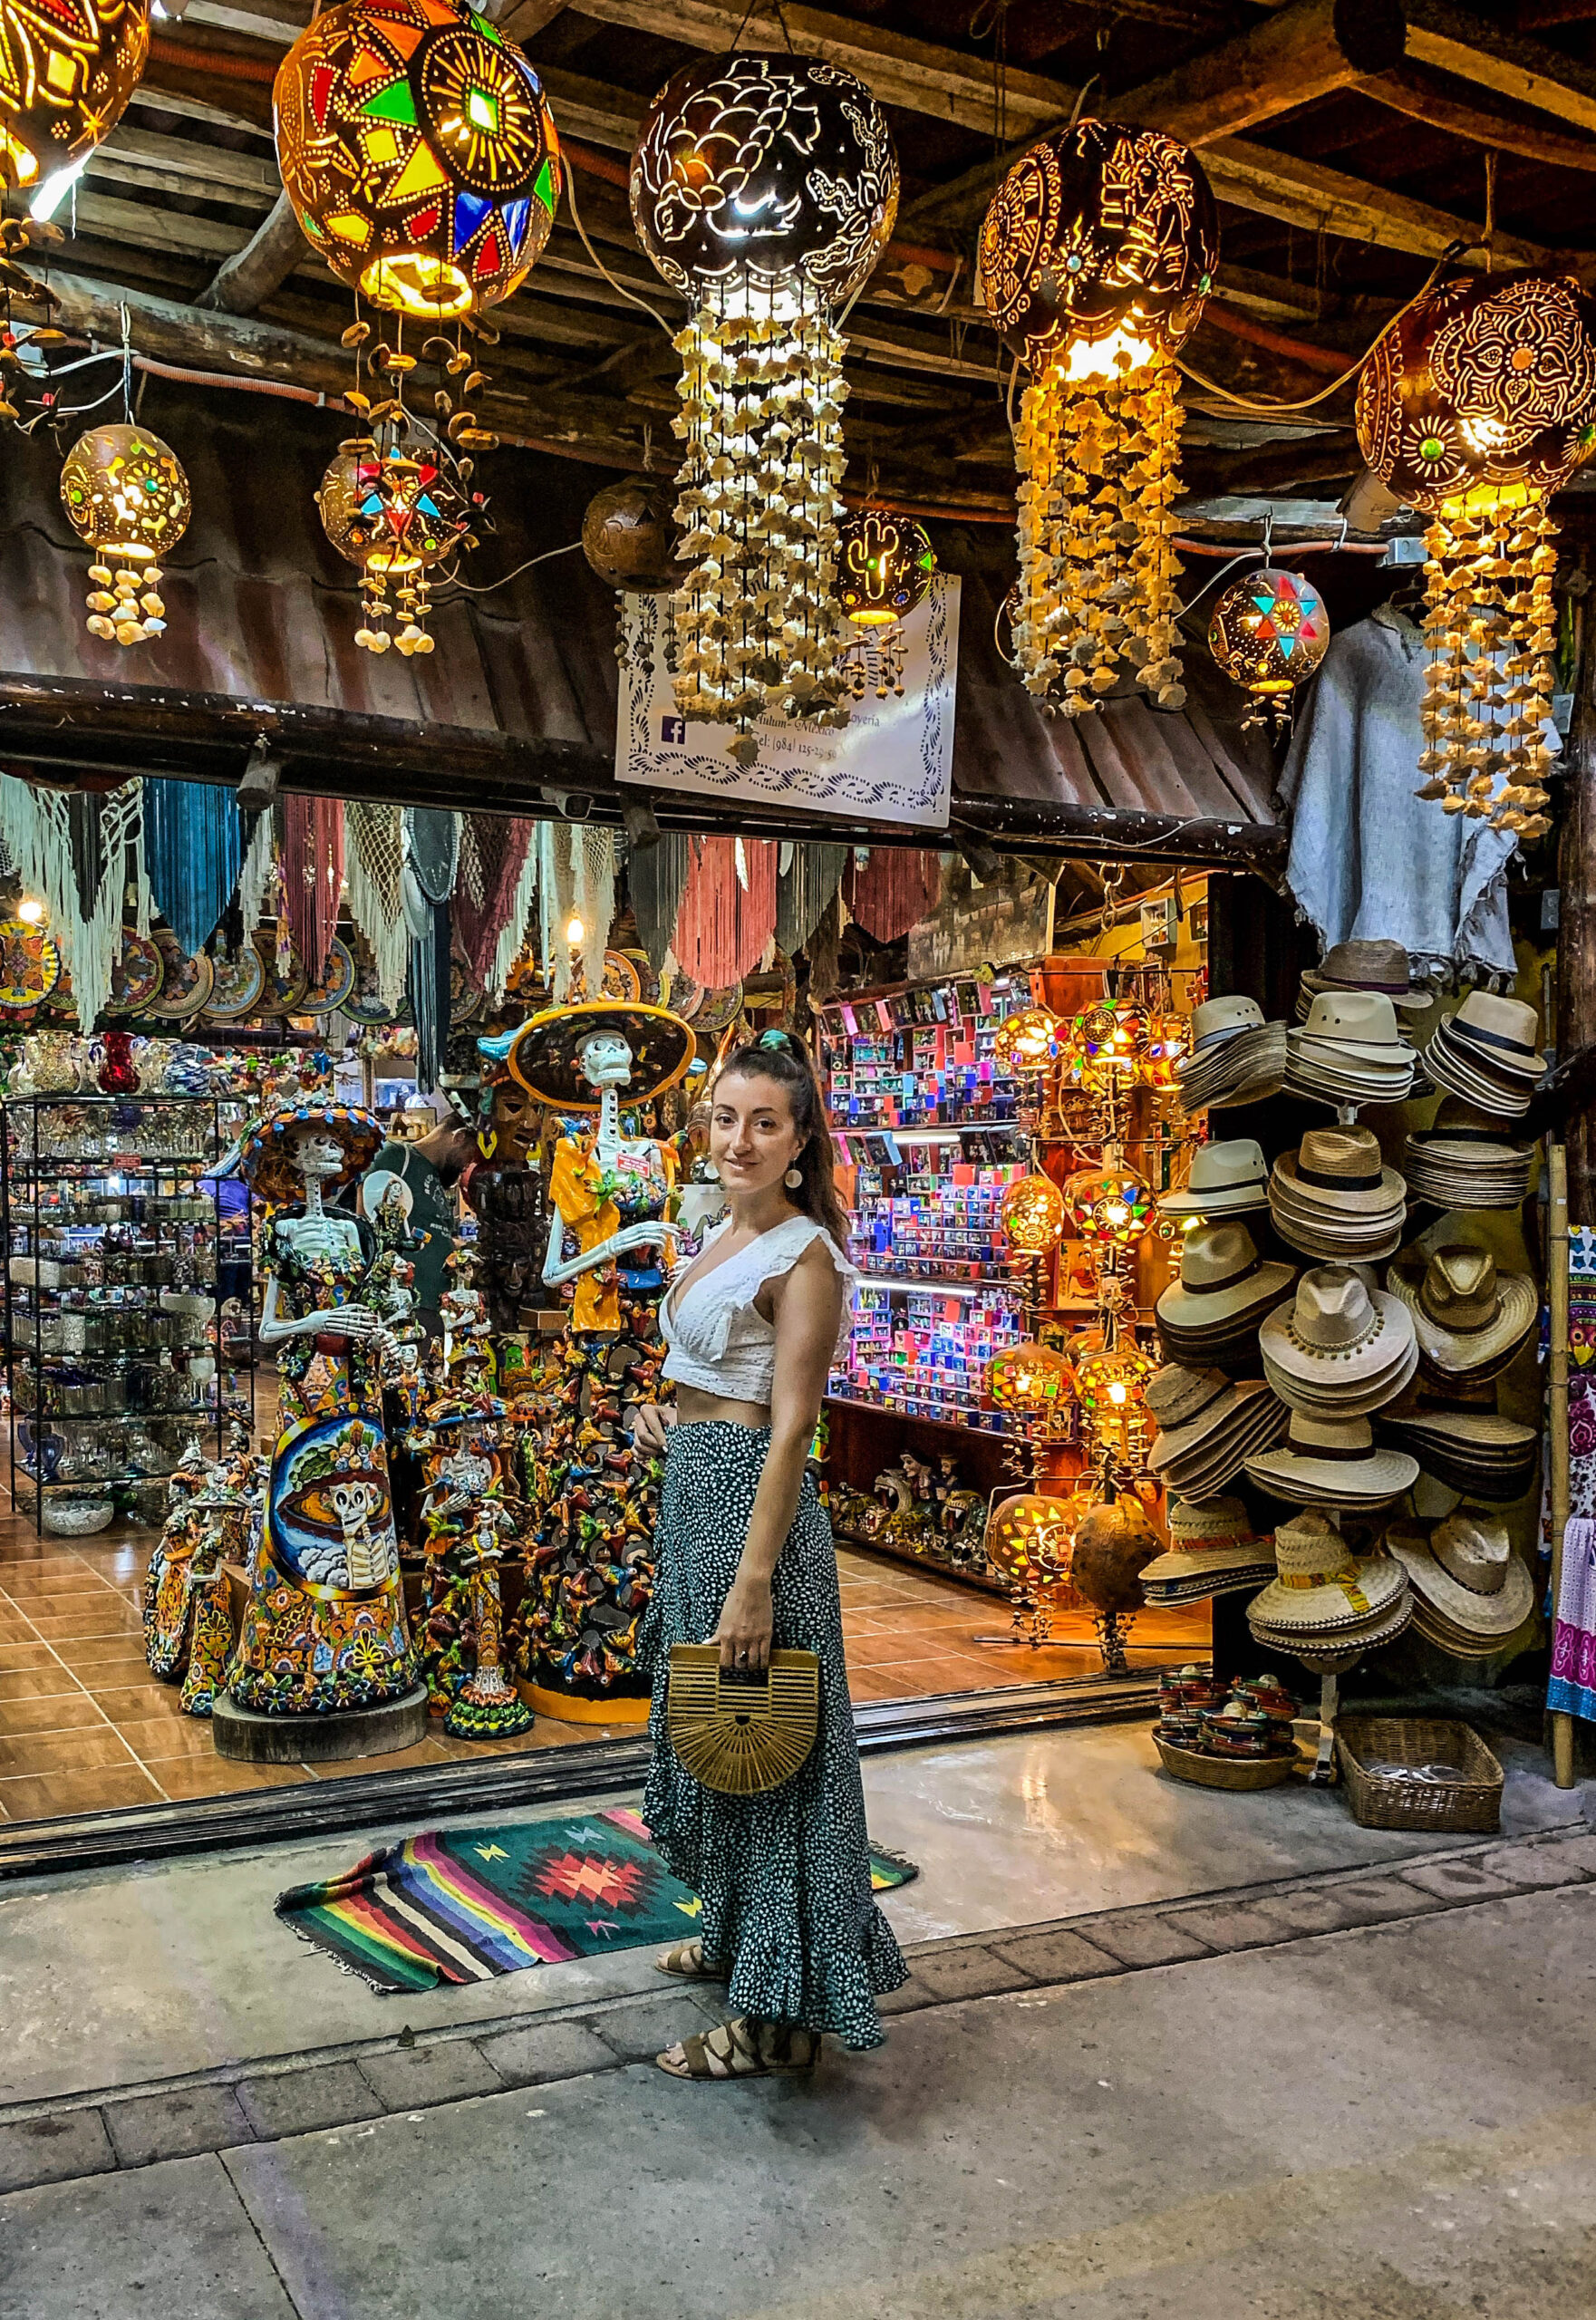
166	1592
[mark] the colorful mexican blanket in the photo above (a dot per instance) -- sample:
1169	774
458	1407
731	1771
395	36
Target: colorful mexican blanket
472	1903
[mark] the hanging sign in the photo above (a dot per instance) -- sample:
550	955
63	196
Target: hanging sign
892	762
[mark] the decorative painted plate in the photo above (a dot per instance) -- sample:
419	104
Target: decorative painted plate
648	981
237	986
137	976
186	984
283	992
718	1008
365	1002
621	978
30	965
466	1002
336	982
680	993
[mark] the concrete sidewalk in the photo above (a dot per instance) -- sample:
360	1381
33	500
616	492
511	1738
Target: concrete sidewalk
1255	2062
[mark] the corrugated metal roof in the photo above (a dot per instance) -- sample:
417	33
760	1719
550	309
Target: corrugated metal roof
261	609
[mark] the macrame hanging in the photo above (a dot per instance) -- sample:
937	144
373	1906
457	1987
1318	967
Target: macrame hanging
37	826
576	882
374	870
494	850
807	875
728	912
193	852
313	876
431	858
655	876
893	889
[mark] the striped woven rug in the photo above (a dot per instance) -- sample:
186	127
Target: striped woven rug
473	1903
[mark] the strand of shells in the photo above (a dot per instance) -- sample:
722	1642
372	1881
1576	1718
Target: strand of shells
1099	468
1491	626
757	631
116	609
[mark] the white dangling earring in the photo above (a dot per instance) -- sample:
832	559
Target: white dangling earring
793	1179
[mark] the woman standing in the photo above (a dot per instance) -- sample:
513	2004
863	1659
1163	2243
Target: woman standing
746	1560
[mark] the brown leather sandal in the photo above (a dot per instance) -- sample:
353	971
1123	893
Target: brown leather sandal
740	2049
687	1961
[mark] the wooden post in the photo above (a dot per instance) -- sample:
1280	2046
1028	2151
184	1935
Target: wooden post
1562	1725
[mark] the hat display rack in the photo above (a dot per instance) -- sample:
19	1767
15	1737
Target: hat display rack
1333	1380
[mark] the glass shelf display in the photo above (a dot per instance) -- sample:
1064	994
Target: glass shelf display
128	1296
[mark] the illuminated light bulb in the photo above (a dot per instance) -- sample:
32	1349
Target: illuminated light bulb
575	932
1116	1392
30	911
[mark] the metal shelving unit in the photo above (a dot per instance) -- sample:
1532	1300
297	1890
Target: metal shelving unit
120	1256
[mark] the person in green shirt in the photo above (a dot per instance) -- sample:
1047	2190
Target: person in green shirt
431	1168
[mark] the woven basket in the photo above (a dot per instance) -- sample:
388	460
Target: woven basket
1224	1772
1472	1806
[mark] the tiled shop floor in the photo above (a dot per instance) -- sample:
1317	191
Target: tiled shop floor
84	1727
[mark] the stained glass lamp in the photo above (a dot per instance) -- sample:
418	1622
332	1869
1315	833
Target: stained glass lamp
1268	632
393	517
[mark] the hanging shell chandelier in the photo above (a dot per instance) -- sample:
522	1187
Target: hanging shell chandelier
885	565
764	190
125	493
1096	254
1476	404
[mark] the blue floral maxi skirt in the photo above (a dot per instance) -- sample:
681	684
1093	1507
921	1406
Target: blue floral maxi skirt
784	1875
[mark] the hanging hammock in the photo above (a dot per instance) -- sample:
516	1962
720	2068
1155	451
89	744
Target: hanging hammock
313	876
487	906
728	912
894	890
374	872
74	858
193	852
804	889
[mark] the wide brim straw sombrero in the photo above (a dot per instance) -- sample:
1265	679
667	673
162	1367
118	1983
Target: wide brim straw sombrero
543	1055
267	1161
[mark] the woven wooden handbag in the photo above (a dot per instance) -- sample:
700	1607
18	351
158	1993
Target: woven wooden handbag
741	1733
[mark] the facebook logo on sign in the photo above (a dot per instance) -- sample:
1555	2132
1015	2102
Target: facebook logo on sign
673	728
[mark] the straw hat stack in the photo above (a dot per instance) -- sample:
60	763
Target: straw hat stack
1208	1427
1227	1180
1470	1449
1471	1320
1324	1601
1235	1057
1350	1051
1337	1349
1381	966
1332	1461
1471	1594
1335	1200
1462	1161
1211	1552
1209	1317
1486	1054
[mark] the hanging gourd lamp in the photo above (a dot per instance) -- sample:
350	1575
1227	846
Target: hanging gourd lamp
885	565
1029	1537
764	190
419	154
1476	405
1108	1207
1028	1377
1106	1046
66	73
1027	1041
1032	1214
392	518
1268	632
125	493
1096	254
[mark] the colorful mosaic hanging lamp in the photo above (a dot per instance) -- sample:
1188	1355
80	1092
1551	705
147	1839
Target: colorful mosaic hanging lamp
1268	632
1476	405
764	188
66	73
394	518
1096	254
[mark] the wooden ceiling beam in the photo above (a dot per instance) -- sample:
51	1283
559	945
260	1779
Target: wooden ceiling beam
1523	69
523	20
945	83
1320	200
1308	51
1419	98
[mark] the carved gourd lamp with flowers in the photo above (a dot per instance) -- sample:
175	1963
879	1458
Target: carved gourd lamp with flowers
1096	254
764	190
125	494
1476	405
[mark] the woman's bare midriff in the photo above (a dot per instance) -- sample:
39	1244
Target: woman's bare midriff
695	1408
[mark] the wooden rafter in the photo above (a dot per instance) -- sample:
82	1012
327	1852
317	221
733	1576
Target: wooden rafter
1420	98
1308	51
1475	50
1320	200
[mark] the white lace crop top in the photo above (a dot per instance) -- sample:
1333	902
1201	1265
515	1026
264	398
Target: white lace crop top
719	1340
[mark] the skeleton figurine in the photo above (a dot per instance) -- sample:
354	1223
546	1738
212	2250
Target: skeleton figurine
325	1625
469	1518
